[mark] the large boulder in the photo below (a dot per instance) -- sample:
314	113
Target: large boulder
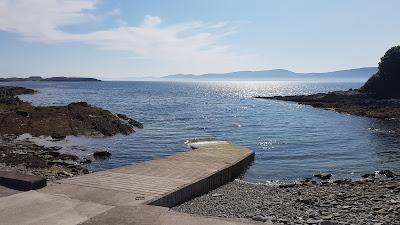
386	82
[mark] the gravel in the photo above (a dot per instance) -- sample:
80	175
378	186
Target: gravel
367	201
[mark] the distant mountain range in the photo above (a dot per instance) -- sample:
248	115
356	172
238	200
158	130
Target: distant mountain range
361	74
37	78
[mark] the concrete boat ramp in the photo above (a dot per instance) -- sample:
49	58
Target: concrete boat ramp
135	194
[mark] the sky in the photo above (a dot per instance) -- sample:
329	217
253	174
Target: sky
121	39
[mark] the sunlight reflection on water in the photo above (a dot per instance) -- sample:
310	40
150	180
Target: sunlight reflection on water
290	140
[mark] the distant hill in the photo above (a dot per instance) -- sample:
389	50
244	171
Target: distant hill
37	78
361	74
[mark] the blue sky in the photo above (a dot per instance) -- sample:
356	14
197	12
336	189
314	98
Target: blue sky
120	39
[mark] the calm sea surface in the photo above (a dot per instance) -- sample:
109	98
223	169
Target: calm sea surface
291	141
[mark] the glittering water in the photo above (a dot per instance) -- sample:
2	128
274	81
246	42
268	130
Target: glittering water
290	140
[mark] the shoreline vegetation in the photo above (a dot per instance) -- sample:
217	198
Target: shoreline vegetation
18	117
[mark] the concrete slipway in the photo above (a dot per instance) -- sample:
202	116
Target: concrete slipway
135	194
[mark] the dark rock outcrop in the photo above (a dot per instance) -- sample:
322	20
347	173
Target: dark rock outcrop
130	121
59	121
78	118
351	102
10	91
101	155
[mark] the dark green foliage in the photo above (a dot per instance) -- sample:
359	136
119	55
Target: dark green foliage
386	83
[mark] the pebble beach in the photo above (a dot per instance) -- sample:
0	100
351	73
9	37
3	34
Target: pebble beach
372	200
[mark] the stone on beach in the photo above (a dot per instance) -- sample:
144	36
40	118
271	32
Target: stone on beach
349	202
323	176
387	173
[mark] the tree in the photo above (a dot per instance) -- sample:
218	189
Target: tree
386	82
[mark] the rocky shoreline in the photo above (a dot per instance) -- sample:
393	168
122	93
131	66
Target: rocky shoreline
57	122
26	157
375	199
351	102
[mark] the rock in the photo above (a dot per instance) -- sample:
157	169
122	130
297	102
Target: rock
66	173
307	179
85	161
314	221
328	222
10	101
11	91
123	116
261	218
284	221
323	176
387	173
47	157
135	123
287	185
53	153
60	121
60	163
306	201
68	157
313	182
81	104
390	187
327	217
342	181
345	202
58	137
54	148
368	175
102	155
216	195
130	121
23	113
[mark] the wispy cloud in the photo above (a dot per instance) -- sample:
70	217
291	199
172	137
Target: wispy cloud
175	48
42	20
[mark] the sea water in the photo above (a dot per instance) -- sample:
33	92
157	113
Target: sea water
291	141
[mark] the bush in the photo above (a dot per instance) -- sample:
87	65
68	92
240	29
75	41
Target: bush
386	82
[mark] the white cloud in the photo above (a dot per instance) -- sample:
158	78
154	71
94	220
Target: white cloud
151	21
42	20
175	48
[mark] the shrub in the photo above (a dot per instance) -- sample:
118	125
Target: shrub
386	82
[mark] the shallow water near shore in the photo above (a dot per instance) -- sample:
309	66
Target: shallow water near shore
290	141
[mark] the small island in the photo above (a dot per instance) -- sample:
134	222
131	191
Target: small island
379	97
38	78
